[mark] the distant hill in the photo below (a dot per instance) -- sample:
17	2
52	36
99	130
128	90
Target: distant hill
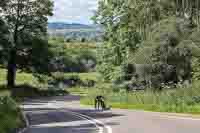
75	31
59	25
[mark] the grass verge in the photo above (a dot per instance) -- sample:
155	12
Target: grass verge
179	100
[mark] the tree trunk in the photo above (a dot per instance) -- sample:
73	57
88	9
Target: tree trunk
11	75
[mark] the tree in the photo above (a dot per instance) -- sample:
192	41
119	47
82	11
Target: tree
68	40
24	18
134	28
83	39
126	25
4	42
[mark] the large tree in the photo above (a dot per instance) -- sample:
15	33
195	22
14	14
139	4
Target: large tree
129	23
4	41
27	25
126	24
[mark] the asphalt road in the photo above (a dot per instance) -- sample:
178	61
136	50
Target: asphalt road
66	115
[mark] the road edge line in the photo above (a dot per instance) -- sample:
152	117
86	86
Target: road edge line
27	124
94	121
80	116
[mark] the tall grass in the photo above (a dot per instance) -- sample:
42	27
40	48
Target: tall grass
182	100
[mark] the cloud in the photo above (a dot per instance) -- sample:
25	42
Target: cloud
73	11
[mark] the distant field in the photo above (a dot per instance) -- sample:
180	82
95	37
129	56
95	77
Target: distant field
21	78
84	45
25	78
76	48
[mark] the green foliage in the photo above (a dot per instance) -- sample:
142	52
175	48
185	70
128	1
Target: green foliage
74	80
126	24
169	52
160	38
31	60
10	115
4	42
27	34
72	57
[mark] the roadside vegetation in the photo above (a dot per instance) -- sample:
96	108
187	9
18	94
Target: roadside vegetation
11	118
10	114
150	55
179	100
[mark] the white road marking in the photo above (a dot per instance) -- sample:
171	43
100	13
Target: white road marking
108	128
90	120
63	124
97	123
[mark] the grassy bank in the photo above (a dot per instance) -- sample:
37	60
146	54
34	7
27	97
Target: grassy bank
179	100
10	114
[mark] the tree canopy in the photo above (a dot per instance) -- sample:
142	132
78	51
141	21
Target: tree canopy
157	35
26	22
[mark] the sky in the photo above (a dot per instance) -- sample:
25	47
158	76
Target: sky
73	11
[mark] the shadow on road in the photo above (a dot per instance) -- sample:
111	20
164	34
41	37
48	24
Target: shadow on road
39	113
42	114
83	128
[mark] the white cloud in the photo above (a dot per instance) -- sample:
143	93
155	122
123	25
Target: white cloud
78	11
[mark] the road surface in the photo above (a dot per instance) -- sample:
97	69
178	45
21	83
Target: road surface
66	115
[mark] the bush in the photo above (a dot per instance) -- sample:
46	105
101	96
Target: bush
89	83
66	80
170	55
10	115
